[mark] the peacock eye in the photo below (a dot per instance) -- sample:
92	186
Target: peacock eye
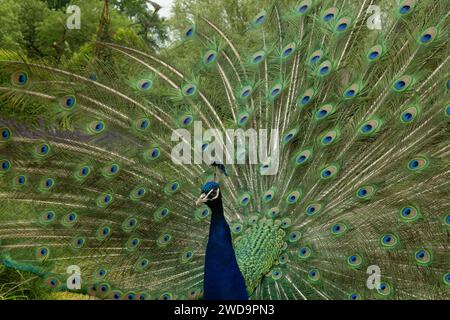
6	134
5	165
142	124
22	78
214	193
144	84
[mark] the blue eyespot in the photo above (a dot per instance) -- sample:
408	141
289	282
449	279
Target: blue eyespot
144	124
189	32
187	121
243	119
350	93
425	38
287	52
166	297
328	17
260	19
324	70
367	128
246	93
406	211
257	59
405	9
413	164
301	159
6	134
400	84
155	153
407	116
49	183
420	254
6	165
145	85
373	55
70	102
342	26
305	99
114	168
322	113
303	9
190	90
22	78
315	59
21	180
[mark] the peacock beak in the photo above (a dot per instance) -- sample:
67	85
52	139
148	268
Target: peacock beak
201	199
204	197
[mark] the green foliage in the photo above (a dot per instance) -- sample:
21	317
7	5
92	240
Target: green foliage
11	36
38	28
149	26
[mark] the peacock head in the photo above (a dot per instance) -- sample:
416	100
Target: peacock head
210	194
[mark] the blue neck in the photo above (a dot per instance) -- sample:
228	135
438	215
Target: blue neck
222	279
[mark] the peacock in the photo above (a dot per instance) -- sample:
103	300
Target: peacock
352	203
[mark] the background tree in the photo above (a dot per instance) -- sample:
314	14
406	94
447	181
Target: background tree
144	15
